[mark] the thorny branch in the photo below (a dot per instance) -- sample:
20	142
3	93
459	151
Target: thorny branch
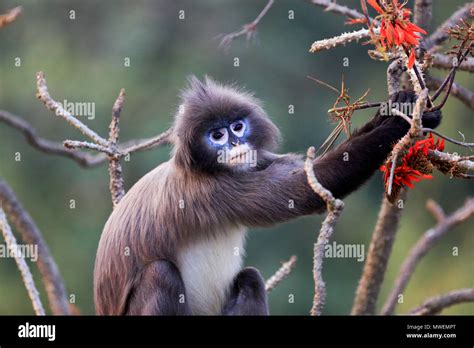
424	244
334	207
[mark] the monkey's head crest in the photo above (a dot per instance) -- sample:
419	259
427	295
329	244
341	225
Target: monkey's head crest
220	127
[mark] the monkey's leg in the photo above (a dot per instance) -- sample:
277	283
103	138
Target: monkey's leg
248	295
159	290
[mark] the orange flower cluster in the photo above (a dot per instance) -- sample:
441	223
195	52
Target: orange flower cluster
415	165
396	29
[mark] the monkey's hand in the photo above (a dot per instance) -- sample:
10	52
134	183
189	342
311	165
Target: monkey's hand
403	101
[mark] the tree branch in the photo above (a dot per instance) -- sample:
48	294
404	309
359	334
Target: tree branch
43	95
462	93
26	275
443	61
248	29
380	249
48	146
331	6
10	16
437	304
423	13
281	274
327	44
441	33
421	248
334	207
30	234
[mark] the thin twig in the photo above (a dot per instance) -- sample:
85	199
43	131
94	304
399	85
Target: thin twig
248	29
460	92
435	209
451	140
422	246
43	94
331	6
146	144
437	304
334	207
26	275
84	159
281	274
30	234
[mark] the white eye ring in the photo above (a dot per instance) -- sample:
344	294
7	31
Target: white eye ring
240	132
219	136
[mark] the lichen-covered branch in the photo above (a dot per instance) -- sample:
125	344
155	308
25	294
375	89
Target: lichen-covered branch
31	235
334	207
26	275
422	246
437	304
281	274
380	249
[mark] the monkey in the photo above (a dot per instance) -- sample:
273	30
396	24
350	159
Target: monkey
174	244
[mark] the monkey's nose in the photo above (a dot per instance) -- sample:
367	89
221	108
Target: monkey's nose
234	143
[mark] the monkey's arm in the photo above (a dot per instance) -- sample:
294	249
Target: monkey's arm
281	191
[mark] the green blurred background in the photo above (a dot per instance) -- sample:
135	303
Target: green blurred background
83	60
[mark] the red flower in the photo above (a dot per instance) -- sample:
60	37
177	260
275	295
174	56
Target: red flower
396	30
405	174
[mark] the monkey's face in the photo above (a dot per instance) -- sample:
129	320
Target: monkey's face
220	128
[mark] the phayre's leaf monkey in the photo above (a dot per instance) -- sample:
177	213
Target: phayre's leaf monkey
174	244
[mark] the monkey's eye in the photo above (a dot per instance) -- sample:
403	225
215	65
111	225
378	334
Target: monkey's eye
219	136
238	128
